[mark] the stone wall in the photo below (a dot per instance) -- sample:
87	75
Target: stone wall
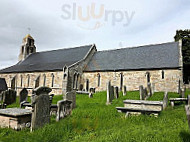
27	80
164	80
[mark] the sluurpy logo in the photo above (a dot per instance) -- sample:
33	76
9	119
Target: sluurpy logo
99	18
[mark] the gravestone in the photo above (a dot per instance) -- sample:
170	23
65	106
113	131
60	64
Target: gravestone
183	93
149	89
145	94
188	98
116	92
40	107
124	90
23	95
110	93
90	95
3	85
153	88
141	91
165	100
71	96
64	108
9	97
187	109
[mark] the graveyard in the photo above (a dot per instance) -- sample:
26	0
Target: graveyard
94	120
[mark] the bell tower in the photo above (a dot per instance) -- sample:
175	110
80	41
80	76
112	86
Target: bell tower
27	47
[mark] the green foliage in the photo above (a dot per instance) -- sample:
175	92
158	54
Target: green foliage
93	120
185	36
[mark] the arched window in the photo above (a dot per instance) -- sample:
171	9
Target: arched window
52	80
98	80
37	82
28	76
74	80
27	50
77	80
148	77
163	75
87	85
44	76
13	83
121	81
21	79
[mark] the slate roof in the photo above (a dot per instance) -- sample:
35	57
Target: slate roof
49	60
3	84
144	57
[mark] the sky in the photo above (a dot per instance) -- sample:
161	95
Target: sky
108	24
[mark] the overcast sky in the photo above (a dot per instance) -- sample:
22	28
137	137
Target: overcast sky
66	23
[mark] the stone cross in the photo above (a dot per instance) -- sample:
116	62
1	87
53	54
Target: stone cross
40	107
71	96
64	109
124	90
23	95
116	92
165	100
141	91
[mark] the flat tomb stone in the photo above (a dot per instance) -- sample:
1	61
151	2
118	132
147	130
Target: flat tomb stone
15	118
178	99
141	104
138	111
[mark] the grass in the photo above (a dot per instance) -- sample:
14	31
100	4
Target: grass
92	120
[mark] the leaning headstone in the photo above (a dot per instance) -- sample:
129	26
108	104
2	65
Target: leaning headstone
141	91
124	90
165	100
149	89
116	92
110	93
40	107
71	96
23	95
64	109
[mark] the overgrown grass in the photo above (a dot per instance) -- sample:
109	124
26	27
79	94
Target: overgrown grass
92	120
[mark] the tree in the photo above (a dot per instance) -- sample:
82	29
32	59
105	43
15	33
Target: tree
184	35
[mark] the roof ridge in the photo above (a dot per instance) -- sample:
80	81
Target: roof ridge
148	45
67	48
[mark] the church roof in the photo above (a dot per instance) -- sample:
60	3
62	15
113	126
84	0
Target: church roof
158	56
50	60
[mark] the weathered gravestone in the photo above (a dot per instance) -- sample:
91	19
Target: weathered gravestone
116	92
183	93
8	97
149	89
3	86
40	107
187	109
124	90
71	96
165	100
188	98
141	91
64	109
90	95
23	95
110	93
145	93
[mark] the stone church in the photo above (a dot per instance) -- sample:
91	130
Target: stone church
81	68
